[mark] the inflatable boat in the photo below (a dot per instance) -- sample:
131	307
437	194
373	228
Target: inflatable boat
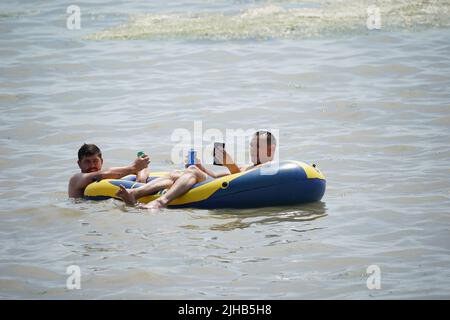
282	183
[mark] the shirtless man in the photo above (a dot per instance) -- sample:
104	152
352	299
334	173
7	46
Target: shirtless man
90	162
262	150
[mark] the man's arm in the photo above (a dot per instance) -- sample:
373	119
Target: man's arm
143	174
80	181
233	168
211	173
228	161
229	164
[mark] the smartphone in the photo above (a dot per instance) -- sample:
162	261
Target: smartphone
218	145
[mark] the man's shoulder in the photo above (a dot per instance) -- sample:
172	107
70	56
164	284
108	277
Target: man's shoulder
83	178
74	185
79	178
76	176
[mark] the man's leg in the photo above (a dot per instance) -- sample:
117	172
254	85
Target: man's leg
191	176
131	195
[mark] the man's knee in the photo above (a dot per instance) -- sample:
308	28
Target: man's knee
169	182
192	169
199	174
174	175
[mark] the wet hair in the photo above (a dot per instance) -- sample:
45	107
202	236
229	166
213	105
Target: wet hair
88	150
271	140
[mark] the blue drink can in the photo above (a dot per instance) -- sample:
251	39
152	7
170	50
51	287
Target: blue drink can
191	157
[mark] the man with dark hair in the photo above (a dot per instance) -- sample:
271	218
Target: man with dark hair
87	150
90	162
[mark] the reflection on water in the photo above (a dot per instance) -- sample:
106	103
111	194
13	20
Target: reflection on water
246	218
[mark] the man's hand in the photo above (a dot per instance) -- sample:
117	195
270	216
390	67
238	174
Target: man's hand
140	163
197	163
222	157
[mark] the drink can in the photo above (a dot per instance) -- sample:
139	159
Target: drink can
191	157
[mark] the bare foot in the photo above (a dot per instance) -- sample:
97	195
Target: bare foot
126	195
156	204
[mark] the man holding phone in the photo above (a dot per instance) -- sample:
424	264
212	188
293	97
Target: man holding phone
262	150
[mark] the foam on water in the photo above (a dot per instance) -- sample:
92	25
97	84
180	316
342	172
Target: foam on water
278	20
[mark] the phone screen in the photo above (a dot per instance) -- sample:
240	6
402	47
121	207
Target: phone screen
217	146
